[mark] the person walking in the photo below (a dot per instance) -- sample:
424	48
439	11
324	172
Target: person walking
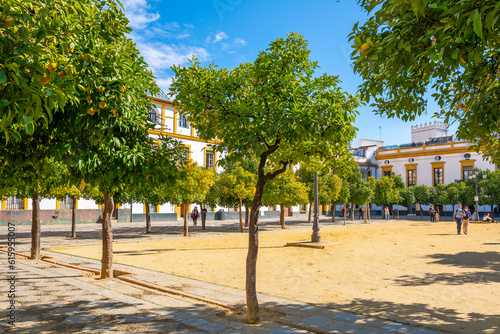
386	212
458	216
432	214
466	219
361	213
195	215
436	214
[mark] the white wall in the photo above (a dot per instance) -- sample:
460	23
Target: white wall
87	204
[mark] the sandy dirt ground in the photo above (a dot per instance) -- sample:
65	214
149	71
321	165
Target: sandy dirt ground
414	272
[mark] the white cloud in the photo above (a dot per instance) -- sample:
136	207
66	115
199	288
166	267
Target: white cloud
218	37
164	83
160	56
236	44
239	41
137	12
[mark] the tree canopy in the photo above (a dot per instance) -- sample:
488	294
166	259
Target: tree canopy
407	49
51	54
275	110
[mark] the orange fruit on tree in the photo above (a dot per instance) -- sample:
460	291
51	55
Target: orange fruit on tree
6	23
122	89
61	75
89	99
462	59
51	67
101	89
365	49
102	105
114	111
45	79
91	111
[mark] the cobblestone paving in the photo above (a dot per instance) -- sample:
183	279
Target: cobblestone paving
57	299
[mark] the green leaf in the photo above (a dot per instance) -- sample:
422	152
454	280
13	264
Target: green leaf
477	23
3	77
29	128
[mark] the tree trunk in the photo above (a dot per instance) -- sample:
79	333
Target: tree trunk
186	232
310	211
492	214
241	214
73	218
247	216
253	248
282	215
366	213
107	238
35	227
333	212
352	212
148	218
420	209
203	216
397	208
131	211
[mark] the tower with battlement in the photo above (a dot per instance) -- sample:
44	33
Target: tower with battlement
427	131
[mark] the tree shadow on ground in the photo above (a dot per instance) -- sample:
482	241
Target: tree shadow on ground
483	277
419	314
489	262
481	260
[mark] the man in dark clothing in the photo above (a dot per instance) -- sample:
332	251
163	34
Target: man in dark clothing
432	214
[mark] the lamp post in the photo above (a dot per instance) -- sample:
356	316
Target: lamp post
474	175
316	237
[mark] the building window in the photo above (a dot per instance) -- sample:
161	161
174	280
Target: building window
183	123
466	172
411	177
387	173
368	173
209	159
438	176
154	114
66	203
13	203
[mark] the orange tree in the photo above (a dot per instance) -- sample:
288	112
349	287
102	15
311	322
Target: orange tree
103	137
192	187
44	46
237	183
30	170
449	48
285	190
274	110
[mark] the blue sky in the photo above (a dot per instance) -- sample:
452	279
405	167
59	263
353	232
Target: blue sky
228	32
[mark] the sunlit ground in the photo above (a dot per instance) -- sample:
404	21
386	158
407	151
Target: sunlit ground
409	271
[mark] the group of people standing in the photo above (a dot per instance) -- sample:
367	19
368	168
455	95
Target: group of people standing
195	214
462	217
434	214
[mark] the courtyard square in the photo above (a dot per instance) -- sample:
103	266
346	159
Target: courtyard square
409	271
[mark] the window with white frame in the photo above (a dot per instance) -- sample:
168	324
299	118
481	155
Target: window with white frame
66	203
154	114
183	123
209	159
13	203
466	172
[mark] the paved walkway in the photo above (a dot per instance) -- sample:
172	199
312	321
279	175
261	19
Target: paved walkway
67	298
